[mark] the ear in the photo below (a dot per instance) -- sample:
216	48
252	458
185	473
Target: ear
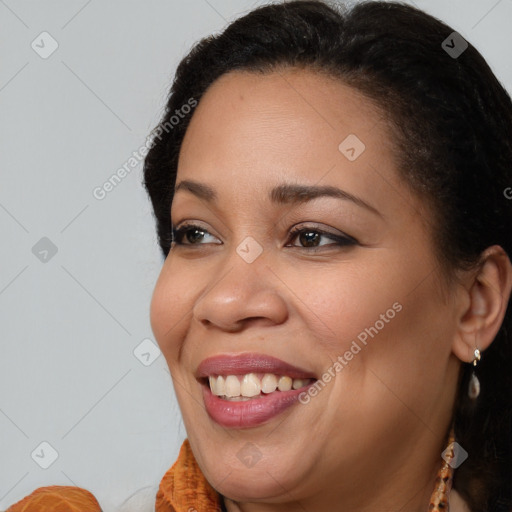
484	303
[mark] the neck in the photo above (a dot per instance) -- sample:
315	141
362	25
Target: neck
457	504
405	489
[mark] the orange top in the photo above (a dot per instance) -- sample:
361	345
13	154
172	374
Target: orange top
182	488
57	498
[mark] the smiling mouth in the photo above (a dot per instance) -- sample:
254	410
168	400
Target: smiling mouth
237	388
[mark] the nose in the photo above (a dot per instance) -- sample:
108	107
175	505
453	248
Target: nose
240	294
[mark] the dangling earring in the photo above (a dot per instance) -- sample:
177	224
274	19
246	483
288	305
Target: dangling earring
474	383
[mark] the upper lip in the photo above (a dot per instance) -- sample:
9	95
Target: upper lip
241	364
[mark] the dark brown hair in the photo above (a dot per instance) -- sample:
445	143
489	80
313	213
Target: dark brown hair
452	125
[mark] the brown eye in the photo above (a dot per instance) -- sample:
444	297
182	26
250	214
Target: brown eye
310	238
194	235
189	235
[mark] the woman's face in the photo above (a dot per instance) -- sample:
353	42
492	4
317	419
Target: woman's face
357	286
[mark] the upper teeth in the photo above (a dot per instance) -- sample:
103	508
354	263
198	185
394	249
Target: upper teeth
250	385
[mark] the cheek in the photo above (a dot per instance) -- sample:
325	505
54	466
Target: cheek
377	318
402	367
340	304
170	310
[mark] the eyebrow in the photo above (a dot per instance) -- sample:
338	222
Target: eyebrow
285	193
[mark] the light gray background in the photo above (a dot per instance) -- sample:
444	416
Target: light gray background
70	325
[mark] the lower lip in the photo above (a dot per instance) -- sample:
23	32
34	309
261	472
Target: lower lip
249	413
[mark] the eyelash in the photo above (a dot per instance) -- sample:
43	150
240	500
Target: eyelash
339	240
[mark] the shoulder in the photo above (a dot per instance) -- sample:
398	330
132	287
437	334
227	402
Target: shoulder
182	487
63	498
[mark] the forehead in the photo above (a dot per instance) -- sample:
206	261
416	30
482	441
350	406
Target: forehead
253	131
276	111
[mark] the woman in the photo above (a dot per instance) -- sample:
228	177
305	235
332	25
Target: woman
330	191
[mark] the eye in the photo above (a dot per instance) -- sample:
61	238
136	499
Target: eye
189	234
311	237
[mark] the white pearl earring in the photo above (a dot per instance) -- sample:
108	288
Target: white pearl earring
474	383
